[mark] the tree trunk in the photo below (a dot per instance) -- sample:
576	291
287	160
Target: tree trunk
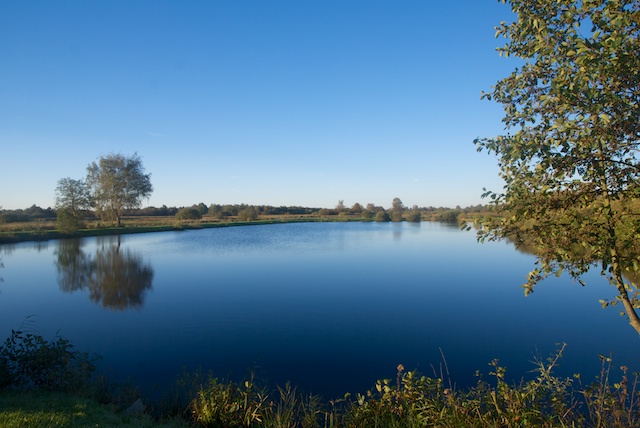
634	320
117	215
611	242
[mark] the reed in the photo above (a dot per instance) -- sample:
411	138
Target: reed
415	400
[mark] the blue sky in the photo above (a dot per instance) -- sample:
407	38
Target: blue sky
260	102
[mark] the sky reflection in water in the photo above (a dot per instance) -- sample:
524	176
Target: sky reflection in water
330	307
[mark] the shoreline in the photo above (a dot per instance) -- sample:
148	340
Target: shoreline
48	235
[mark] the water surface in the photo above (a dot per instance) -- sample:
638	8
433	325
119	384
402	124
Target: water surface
330	307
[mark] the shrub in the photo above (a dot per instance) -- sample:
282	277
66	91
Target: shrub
188	214
414	216
247	214
366	215
28	361
69	221
382	216
13	217
449	216
396	216
225	404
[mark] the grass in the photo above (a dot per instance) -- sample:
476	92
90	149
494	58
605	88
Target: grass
22	409
414	400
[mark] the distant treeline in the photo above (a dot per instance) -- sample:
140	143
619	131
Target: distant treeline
33	213
248	212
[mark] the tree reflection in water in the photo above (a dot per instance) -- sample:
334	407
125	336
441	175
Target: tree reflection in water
5	249
118	278
630	272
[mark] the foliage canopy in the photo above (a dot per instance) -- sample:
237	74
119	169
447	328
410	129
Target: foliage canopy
117	183
570	158
72	198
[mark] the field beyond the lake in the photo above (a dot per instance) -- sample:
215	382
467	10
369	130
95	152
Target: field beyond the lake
37	224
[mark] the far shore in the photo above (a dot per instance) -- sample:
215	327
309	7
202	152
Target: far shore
46	232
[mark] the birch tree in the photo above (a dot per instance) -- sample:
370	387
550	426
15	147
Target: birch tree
117	183
569	156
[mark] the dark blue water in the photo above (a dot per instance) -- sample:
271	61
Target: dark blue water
330	307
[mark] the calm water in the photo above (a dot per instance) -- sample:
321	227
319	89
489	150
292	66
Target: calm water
330	307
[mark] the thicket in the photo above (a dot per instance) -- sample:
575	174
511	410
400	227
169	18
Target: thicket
33	213
415	400
188	214
28	361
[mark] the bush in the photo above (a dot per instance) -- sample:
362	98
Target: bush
396	216
449	216
382	216
247	214
414	216
13	217
366	215
69	221
188	214
28	361
225	404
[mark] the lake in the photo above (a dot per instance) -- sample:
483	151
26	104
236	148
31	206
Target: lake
330	307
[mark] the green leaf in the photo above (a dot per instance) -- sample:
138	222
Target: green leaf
568	162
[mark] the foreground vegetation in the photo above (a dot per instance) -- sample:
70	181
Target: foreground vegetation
414	400
569	151
56	409
46	383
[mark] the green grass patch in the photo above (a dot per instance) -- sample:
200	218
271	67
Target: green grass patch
22	409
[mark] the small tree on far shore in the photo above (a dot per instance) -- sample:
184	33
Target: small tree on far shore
188	213
414	216
117	182
382	216
247	214
72	199
397	208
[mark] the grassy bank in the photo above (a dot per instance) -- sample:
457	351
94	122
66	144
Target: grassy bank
46	230
415	400
57	409
43	231
411	400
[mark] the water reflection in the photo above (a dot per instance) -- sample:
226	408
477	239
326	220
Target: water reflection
630	273
74	266
5	249
275	298
115	277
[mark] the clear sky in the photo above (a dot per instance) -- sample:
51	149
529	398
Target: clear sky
280	102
